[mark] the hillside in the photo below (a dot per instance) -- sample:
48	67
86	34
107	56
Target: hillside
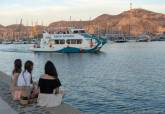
134	22
137	21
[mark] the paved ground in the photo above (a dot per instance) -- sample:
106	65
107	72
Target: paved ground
13	107
5	108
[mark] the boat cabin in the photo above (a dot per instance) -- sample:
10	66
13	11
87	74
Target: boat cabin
77	31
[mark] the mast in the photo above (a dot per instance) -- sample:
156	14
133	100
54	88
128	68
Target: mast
130	14
70	22
130	4
19	28
89	24
27	32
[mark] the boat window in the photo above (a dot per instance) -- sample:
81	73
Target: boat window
79	41
59	41
75	32
68	41
74	41
62	41
82	31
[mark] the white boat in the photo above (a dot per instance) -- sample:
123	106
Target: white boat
6	42
72	41
116	37
144	38
20	42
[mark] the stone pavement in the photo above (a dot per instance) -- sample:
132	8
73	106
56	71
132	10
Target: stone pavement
5	108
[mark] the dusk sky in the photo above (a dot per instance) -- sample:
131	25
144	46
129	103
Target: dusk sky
47	11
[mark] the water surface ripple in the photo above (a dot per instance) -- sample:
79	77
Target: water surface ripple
124	78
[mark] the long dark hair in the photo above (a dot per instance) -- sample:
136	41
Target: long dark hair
17	66
50	69
28	66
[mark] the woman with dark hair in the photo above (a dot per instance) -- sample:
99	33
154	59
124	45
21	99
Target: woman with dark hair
25	83
49	84
25	79
15	74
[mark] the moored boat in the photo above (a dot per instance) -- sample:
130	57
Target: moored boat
6	42
144	38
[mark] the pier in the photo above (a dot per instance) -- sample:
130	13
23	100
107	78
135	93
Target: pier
8	106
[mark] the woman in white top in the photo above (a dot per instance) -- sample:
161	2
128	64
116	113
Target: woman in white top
25	79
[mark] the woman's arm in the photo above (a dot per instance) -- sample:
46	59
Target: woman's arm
15	79
56	91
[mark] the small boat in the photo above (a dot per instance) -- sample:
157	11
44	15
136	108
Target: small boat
20	42
71	41
144	38
117	37
120	40
6	42
161	37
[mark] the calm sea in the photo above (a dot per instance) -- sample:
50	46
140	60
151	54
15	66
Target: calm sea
126	78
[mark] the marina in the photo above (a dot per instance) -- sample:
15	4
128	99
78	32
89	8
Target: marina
82	57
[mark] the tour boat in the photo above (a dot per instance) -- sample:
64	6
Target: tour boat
71	41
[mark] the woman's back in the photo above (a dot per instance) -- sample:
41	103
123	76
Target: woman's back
48	86
24	79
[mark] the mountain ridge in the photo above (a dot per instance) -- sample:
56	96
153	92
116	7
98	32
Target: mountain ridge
135	22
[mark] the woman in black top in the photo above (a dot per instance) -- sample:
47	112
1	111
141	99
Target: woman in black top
49	84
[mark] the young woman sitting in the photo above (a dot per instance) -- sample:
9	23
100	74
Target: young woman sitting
15	90
25	78
25	82
49	92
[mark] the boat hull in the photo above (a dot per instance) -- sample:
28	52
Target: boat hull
65	50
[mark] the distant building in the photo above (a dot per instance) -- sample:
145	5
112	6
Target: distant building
162	29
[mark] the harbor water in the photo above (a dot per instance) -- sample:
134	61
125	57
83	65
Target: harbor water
127	78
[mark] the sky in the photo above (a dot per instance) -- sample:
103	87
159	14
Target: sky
47	11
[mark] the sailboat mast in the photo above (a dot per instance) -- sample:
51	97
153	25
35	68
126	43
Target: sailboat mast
20	35
130	14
